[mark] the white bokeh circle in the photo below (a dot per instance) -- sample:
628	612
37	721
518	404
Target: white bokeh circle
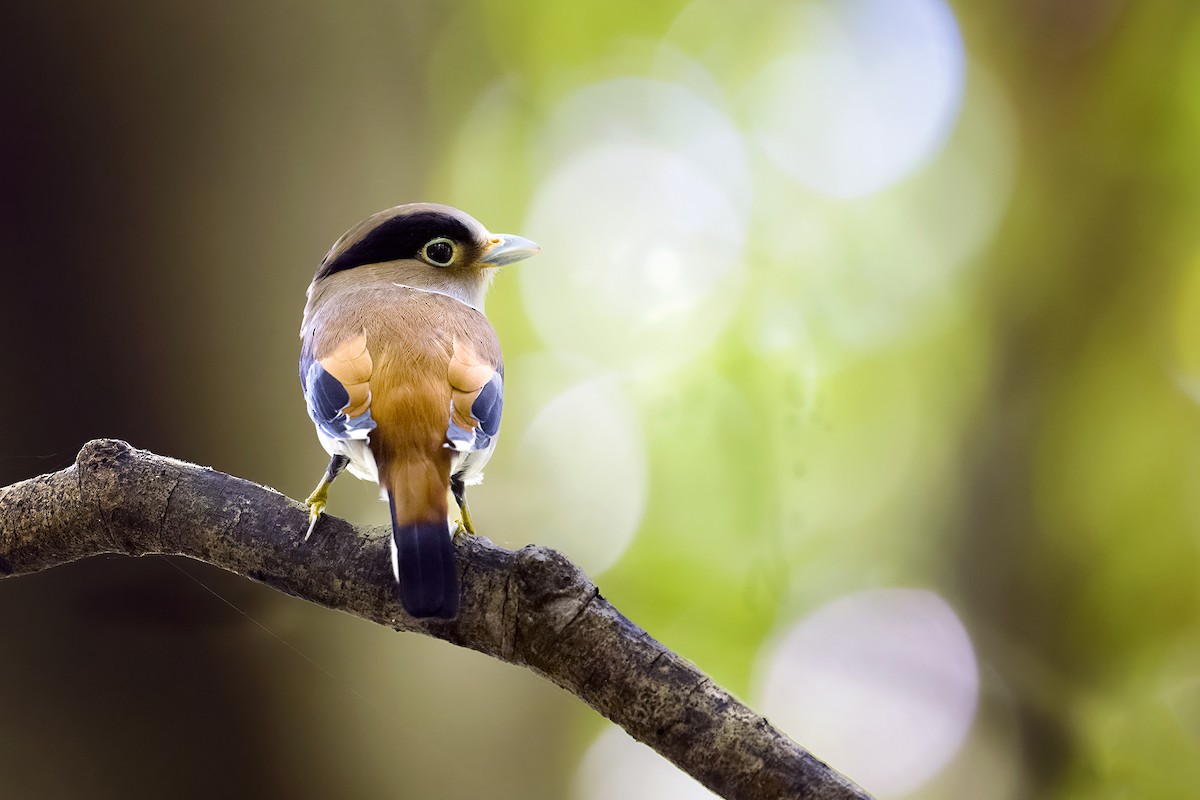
641	257
867	96
882	684
618	766
644	111
641	212
862	272
575	477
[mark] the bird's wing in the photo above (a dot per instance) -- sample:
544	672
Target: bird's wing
476	397
337	389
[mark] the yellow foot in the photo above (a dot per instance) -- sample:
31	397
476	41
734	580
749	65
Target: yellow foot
464	524
316	506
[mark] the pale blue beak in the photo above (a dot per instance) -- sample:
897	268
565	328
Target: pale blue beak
504	248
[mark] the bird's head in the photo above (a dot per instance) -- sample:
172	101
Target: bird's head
426	246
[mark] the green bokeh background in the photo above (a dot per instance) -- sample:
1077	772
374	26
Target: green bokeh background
1026	443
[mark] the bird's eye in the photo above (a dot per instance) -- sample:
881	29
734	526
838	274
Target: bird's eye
439	252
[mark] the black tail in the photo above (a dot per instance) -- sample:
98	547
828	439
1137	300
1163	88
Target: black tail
424	562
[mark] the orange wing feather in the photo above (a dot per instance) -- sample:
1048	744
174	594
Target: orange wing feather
352	365
467	375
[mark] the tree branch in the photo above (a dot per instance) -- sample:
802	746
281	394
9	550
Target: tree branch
531	607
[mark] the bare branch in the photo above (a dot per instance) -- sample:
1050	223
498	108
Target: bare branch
531	607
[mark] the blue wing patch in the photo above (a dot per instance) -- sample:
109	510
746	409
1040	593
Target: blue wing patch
489	405
326	397
486	409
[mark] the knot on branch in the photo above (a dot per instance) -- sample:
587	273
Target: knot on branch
129	491
104	454
546	595
551	587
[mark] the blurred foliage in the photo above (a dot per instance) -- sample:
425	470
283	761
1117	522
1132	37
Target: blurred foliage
981	379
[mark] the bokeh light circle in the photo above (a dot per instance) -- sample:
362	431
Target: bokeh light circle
883	685
575	478
641	257
641	212
862	272
869	96
642	111
617	766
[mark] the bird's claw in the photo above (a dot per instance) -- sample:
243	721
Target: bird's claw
316	506
464	525
315	510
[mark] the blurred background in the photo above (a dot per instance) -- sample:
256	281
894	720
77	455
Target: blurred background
860	367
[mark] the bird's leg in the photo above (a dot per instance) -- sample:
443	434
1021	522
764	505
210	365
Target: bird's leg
464	524
320	495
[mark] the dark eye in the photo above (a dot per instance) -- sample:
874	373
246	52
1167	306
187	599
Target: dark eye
439	252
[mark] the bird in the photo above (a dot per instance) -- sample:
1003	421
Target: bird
403	379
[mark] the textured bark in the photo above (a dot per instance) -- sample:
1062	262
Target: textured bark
531	607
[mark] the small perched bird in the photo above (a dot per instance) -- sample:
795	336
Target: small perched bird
402	376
